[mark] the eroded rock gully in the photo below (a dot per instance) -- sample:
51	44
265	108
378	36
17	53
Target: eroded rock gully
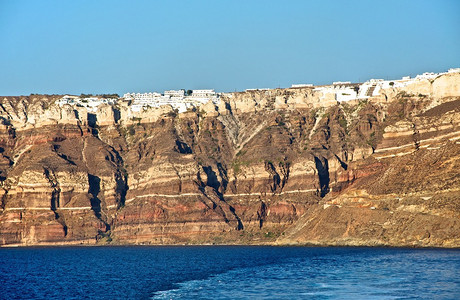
262	167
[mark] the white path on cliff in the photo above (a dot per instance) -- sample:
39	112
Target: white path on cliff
20	153
49	208
200	194
394	148
254	133
83	152
453	136
421	195
156	195
165	196
261	193
319	116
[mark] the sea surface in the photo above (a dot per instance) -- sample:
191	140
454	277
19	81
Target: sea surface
228	272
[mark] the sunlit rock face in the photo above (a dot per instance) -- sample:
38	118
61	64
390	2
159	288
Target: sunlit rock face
283	166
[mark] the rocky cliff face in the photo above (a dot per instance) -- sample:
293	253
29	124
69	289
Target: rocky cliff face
263	167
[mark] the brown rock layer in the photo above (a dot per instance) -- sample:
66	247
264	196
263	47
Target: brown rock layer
262	167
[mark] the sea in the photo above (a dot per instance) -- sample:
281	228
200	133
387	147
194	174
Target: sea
228	272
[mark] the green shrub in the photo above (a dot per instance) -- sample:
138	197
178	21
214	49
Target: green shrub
131	130
343	124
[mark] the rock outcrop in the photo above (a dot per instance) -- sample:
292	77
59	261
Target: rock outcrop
284	166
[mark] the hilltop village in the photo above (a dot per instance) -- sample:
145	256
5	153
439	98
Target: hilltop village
346	91
178	100
182	100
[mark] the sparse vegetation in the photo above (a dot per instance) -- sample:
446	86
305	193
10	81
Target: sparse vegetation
372	141
241	153
269	235
362	103
136	119
280	121
131	130
173	113
343	124
237	164
201	113
404	95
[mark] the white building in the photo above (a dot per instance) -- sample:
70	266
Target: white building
203	96
90	103
301	85
255	90
203	93
175	98
427	75
173	93
67	99
342	91
368	89
345	92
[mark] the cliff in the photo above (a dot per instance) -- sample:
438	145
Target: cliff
283	166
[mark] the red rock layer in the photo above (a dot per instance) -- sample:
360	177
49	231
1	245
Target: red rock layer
379	172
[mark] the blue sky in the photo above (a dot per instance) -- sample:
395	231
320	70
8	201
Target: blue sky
75	47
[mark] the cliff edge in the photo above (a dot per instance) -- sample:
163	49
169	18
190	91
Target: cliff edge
278	167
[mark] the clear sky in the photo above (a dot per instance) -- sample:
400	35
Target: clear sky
75	47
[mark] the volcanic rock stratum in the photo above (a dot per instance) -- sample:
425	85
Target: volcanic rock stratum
278	167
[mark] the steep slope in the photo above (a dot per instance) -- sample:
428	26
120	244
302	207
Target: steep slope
262	167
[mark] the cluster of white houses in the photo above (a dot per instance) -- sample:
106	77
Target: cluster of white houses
91	103
182	101
177	99
139	101
345	90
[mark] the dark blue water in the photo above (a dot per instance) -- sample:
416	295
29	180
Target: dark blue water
228	273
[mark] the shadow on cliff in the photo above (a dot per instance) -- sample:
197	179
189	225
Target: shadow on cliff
322	166
274	180
92	124
55	197
182	147
211	190
94	190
